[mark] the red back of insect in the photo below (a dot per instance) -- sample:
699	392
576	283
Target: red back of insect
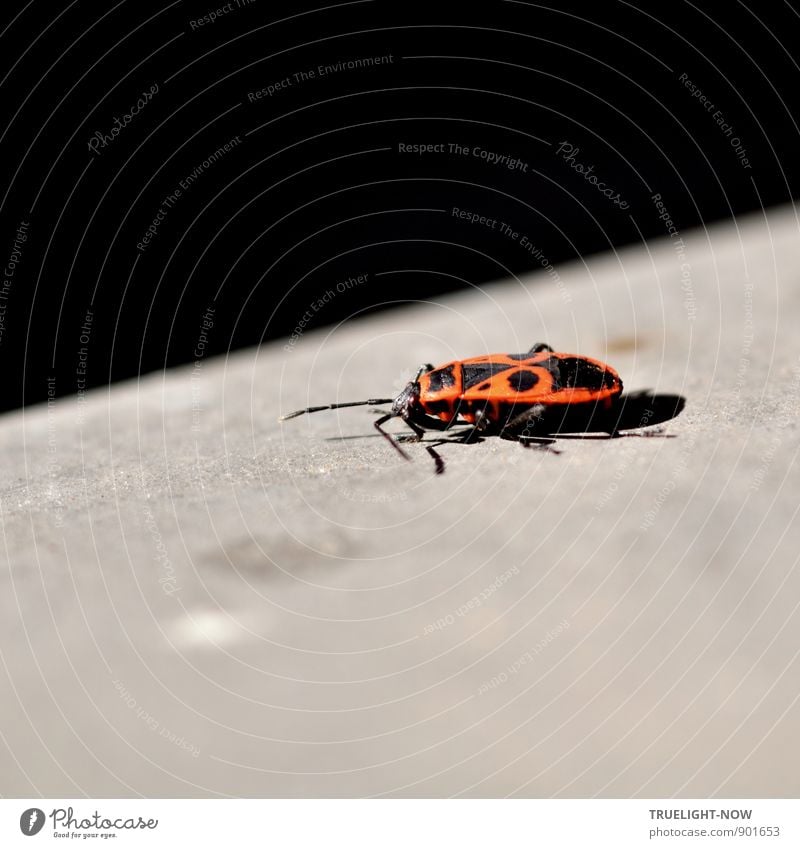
501	383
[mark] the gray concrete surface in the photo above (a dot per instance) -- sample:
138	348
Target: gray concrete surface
198	600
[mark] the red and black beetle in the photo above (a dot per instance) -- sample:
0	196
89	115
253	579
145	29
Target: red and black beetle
521	396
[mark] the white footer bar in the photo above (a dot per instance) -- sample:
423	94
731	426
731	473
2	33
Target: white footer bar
403	823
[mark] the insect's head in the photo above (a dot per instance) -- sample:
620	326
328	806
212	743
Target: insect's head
406	402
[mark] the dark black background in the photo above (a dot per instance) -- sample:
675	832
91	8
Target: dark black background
317	191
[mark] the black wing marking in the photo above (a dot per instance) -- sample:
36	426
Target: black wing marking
473	374
577	373
523	380
442	378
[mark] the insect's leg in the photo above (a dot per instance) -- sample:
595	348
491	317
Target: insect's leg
529	418
481	423
417	437
436	458
418	432
481	420
423	369
539	347
609	422
538	442
389	438
468	436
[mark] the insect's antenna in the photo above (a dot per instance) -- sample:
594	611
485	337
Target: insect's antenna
370	402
